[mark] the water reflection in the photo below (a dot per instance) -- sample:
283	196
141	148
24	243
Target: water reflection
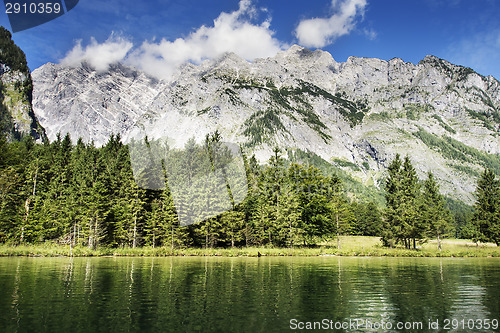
240	294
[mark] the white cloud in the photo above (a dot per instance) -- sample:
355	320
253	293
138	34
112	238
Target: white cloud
319	32
370	34
99	56
231	32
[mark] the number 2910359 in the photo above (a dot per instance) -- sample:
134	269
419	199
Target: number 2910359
33	8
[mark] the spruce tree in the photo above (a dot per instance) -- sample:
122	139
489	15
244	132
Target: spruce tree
434	213
486	217
403	220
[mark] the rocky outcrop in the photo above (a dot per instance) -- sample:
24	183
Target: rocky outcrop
16	113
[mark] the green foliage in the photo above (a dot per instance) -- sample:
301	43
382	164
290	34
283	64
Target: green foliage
11	54
462	216
411	214
443	124
351	186
382	116
353	111
346	164
282	100
490	120
87	198
465	169
6	121
369	219
261	126
433	210
486	219
456	150
414	111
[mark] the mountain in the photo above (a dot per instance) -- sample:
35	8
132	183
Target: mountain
355	115
16	114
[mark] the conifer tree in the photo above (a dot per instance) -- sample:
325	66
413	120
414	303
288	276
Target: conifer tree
403	220
343	218
486	217
433	212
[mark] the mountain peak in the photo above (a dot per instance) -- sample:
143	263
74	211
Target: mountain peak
297	53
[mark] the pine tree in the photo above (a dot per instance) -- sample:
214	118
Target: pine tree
369	219
486	217
403	221
414	227
288	217
232	226
343	218
434	213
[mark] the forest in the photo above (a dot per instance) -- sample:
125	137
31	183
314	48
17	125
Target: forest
82	195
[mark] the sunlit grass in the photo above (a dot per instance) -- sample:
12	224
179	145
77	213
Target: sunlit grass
349	246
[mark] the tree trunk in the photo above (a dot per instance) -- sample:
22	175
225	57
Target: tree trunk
90	235
96	233
172	234
439	242
232	237
338	233
207	235
246	234
27	203
134	242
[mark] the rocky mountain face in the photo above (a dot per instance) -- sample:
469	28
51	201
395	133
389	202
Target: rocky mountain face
356	115
16	114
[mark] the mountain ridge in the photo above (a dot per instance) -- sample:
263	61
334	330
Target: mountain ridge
356	114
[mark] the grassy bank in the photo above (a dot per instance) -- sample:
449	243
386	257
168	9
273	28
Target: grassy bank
349	246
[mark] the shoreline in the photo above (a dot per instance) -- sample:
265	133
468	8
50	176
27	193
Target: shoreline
351	246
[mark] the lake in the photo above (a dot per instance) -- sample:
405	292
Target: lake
267	294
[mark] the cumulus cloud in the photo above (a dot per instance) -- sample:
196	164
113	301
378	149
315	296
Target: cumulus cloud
99	55
231	32
236	32
319	32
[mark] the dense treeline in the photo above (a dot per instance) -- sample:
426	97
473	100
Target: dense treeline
83	195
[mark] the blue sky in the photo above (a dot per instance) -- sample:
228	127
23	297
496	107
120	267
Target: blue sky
157	34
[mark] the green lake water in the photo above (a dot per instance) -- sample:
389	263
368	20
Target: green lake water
198	294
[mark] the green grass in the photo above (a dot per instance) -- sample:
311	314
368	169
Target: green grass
349	246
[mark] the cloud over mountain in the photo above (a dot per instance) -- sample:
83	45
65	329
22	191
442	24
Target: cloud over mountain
238	31
319	32
99	55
